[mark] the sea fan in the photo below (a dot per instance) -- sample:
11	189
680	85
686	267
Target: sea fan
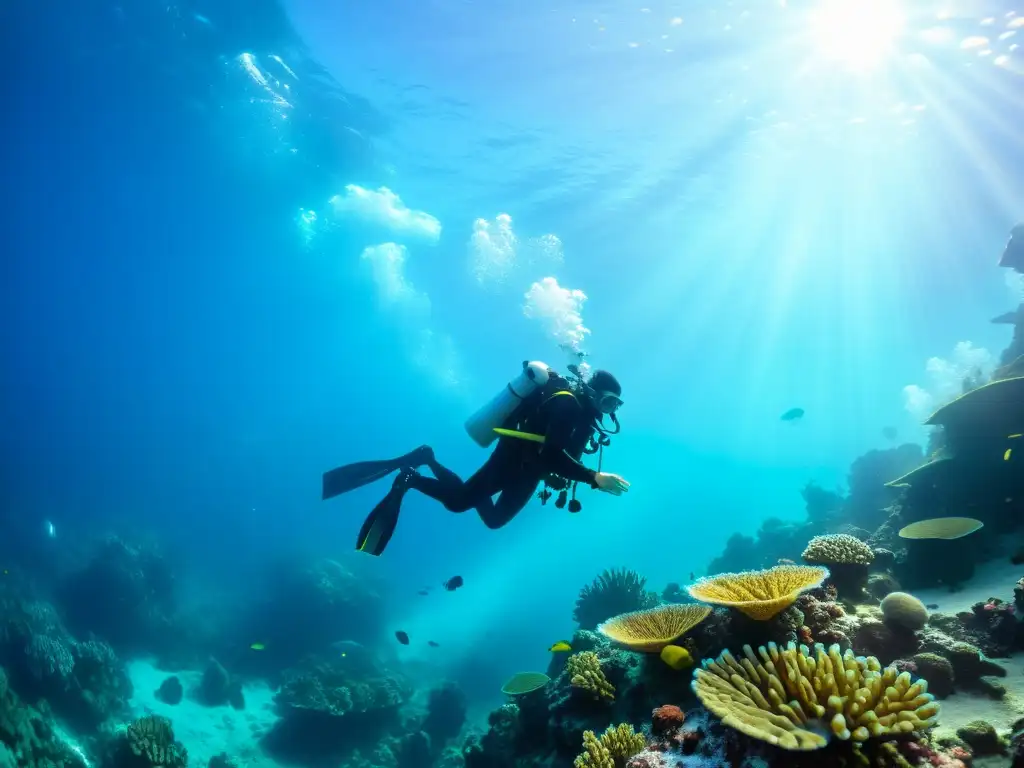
614	592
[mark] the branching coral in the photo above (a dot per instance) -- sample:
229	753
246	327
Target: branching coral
782	696
585	673
28	735
614	747
758	594
614	592
151	739
49	657
651	630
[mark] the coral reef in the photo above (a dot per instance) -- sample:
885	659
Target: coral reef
217	688
332	706
125	595
27	734
84	682
303	610
171	691
774	541
446	715
613	592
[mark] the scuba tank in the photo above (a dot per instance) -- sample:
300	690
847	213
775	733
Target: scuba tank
503	405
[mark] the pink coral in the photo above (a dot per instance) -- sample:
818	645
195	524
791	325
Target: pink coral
666	719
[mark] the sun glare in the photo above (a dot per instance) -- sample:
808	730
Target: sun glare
859	34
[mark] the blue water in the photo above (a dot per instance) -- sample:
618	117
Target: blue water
755	227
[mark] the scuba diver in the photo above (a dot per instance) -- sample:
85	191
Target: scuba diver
543	424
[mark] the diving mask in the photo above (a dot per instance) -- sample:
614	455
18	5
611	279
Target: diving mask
607	402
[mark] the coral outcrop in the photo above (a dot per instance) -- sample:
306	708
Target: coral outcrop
304	610
847	559
331	706
124	595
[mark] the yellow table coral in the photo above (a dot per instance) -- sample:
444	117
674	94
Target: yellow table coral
798	699
651	630
759	594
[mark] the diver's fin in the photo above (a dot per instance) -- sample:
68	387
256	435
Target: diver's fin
380	524
351	476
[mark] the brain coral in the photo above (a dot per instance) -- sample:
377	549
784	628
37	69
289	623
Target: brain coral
838	548
651	630
904	611
759	594
782	696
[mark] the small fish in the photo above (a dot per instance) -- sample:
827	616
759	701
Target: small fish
1018	557
793	414
432	644
692	577
402	637
51	529
890	433
453	583
676	657
257	646
423	592
562	646
932	606
1009	452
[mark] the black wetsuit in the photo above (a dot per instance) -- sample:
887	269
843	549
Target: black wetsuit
517	467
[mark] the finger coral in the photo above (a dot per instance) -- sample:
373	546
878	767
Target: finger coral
614	747
585	672
758	594
796	699
152	738
838	548
651	630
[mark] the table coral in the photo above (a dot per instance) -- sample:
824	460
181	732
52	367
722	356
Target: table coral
652	629
759	594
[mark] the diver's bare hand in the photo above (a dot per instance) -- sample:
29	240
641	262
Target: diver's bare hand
616	485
